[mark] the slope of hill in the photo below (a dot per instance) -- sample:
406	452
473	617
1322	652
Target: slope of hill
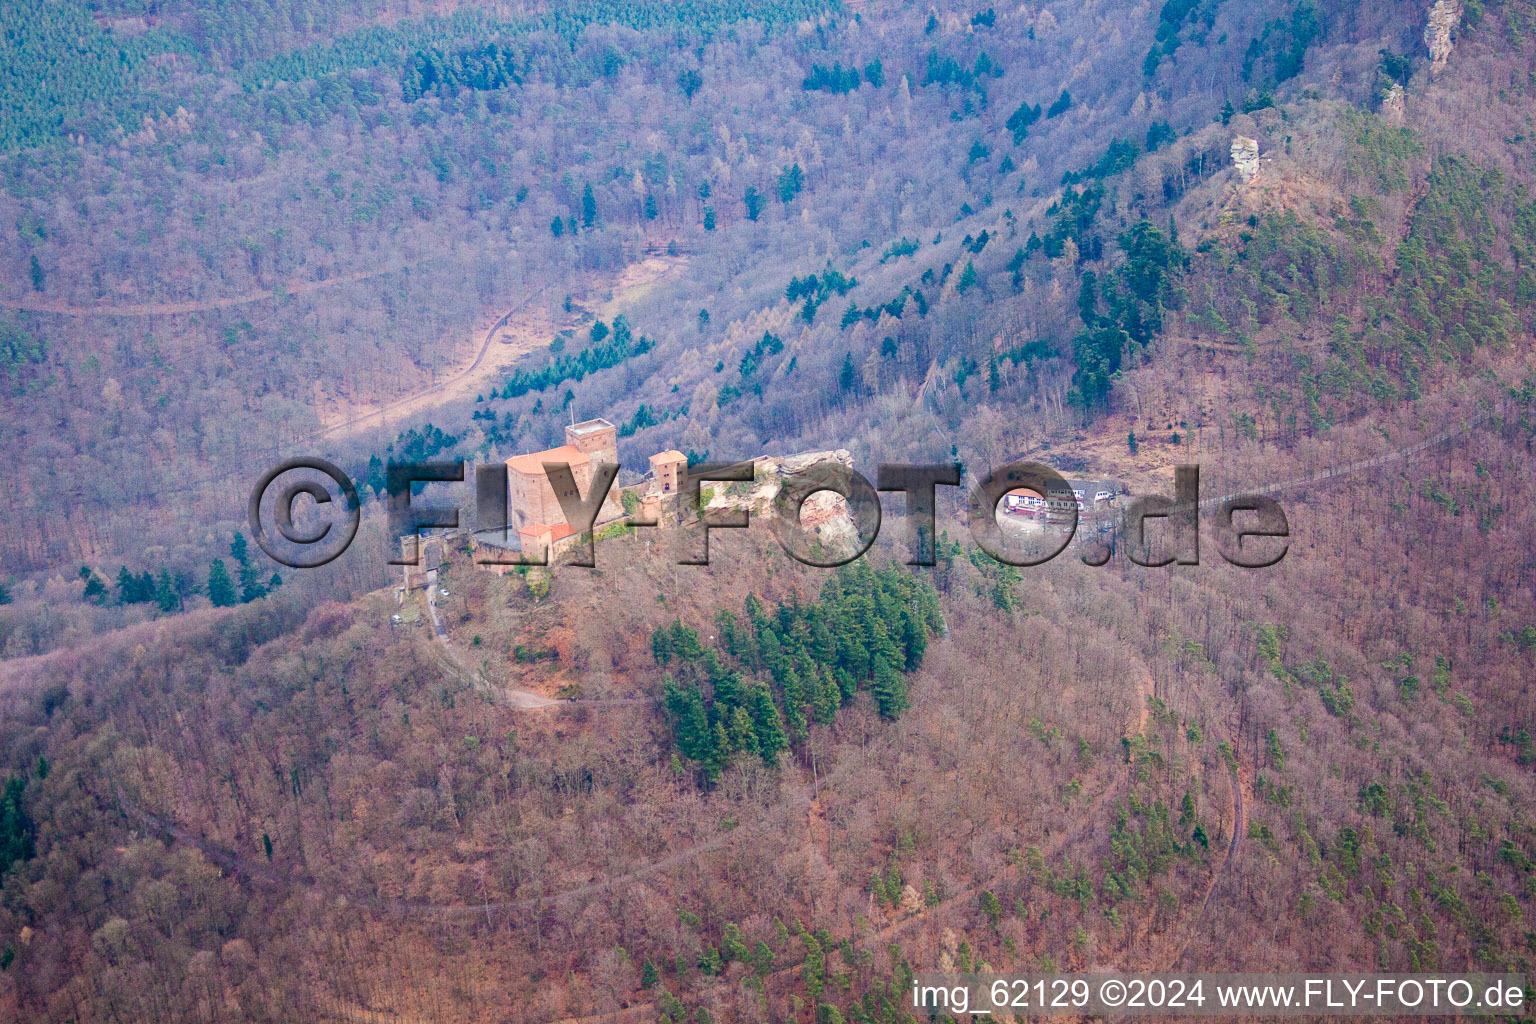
964	233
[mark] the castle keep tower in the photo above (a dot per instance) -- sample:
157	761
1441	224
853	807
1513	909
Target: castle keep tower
597	439
530	498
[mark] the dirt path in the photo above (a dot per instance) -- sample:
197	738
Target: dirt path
1080	823
528	333
1238	810
521	332
254	872
516	698
458	385
294	287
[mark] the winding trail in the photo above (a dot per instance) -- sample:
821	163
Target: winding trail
292	287
413	402
400	406
250	870
1239	785
1081	822
242	868
516	698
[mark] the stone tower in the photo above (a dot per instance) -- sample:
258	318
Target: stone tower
597	439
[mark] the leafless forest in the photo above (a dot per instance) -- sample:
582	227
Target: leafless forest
764	792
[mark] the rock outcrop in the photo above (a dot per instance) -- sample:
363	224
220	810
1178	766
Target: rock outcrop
1394	105
1440	33
825	513
1245	157
769	471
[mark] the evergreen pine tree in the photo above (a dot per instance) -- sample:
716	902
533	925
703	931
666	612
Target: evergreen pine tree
250	584
375	481
221	590
661	646
165	592
690	81
719	755
848	378
765	722
889	690
16	829
791	181
127	587
742	734
690	724
95	589
588	206
728	691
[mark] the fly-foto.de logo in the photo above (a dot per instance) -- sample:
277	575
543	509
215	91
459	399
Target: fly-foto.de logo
1022	514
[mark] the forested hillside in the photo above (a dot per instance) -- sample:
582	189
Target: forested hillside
299	215
1291	242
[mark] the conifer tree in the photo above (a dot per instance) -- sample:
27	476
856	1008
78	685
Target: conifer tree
165	592
221	590
765	721
95	589
127	587
848	377
889	690
251	587
588	206
16	829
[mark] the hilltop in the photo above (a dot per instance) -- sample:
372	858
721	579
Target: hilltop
756	790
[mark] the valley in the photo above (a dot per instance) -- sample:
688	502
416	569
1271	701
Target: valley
1291	242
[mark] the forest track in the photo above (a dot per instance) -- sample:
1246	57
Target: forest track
1081	822
514	697
416	402
244	869
402	406
1463	429
1240	785
136	309
240	867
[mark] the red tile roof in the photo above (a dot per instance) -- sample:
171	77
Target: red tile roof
560	532
532	464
